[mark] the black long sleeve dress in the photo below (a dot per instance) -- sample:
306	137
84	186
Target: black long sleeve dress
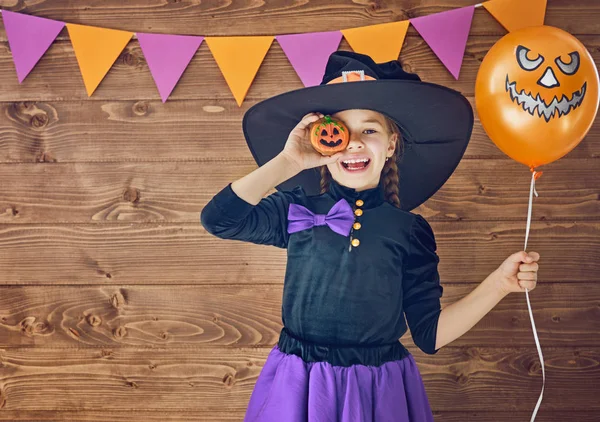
344	300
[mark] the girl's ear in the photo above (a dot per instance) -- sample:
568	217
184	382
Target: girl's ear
393	141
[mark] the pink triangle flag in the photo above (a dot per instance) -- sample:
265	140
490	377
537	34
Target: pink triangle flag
308	53
168	56
28	38
446	33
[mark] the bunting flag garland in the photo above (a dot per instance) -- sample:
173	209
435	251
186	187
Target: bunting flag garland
308	53
531	13
96	49
28	38
240	57
382	42
446	33
168	56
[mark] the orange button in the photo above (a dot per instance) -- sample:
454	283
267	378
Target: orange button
355	242
359	202
358	211
356	225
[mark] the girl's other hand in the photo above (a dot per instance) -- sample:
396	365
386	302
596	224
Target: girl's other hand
518	272
298	149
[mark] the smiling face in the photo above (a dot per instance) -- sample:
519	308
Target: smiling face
370	143
536	89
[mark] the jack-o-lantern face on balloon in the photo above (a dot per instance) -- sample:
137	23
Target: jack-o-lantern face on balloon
553	99
537	92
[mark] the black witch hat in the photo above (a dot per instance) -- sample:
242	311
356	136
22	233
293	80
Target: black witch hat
435	121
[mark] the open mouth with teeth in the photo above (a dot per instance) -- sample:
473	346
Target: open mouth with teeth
530	103
356	164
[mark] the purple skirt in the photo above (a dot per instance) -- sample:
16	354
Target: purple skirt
289	389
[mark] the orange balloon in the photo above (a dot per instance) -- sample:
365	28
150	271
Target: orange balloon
536	94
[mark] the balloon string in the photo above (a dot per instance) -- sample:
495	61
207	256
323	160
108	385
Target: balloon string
534	176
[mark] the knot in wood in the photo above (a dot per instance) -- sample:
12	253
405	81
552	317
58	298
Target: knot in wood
94	320
132	195
117	300
39	120
120	332
140	108
229	380
129	59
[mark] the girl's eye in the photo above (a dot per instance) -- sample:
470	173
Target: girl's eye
373	130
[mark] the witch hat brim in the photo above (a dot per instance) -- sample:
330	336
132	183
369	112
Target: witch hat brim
436	124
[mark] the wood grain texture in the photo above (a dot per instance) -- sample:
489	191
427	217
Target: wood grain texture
115	304
166	253
225	414
215	379
168	191
130	130
249	315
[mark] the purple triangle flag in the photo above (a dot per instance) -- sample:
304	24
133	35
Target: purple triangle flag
446	33
168	56
308	53
28	38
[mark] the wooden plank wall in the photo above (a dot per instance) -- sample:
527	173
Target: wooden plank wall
115	304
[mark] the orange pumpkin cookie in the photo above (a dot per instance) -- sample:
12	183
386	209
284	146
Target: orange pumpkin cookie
329	135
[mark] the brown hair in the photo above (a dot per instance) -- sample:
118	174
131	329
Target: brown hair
389	173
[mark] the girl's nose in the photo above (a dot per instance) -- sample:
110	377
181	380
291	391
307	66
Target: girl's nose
354	143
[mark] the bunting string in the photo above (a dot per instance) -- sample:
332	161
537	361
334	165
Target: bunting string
240	57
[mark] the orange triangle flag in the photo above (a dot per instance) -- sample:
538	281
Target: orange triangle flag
382	42
96	49
517	14
238	59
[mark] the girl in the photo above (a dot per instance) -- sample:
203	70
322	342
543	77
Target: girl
358	262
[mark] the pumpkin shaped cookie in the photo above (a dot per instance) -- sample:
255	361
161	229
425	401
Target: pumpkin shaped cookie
329	135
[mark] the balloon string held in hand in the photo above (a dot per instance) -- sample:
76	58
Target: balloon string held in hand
534	176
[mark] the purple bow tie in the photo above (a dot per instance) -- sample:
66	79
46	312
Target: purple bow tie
339	218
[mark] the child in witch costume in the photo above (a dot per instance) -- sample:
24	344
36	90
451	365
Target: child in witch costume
358	259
